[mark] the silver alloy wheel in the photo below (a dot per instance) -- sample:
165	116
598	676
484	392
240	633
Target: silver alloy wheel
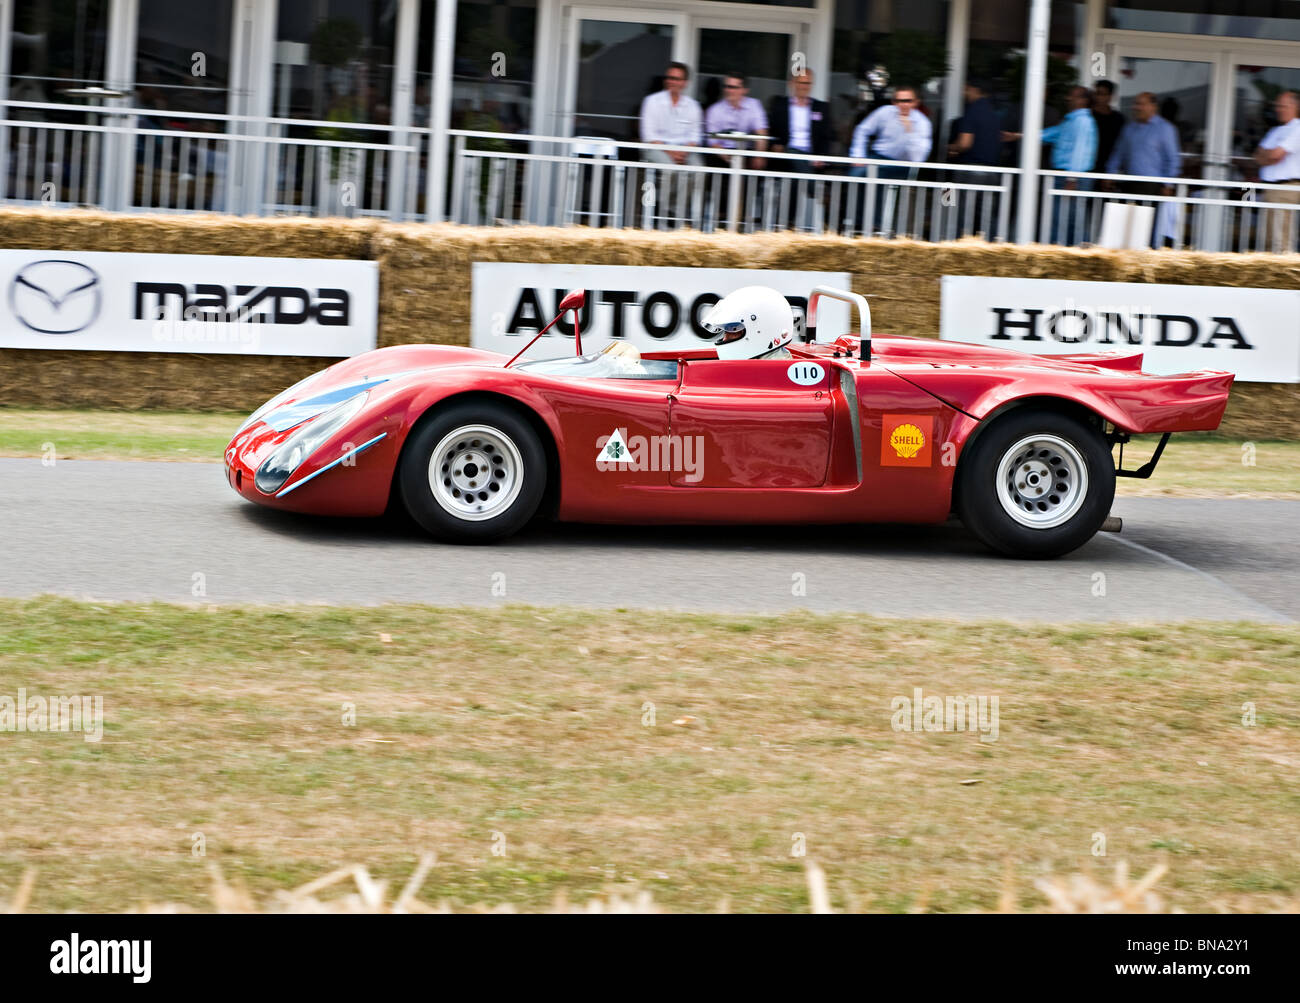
1042	481
476	472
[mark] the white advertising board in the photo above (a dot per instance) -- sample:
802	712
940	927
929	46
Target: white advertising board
121	302
655	309
1254	333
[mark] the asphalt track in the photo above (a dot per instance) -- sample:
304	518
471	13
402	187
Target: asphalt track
176	532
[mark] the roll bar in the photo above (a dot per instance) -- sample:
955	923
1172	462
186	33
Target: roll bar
864	315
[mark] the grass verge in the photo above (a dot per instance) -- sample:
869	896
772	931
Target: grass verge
539	750
1212	466
117	435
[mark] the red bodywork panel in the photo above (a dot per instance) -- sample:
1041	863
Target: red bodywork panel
979	379
727	441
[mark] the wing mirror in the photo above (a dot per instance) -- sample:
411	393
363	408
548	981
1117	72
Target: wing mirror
573	300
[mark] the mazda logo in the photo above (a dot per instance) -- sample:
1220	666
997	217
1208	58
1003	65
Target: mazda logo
56	297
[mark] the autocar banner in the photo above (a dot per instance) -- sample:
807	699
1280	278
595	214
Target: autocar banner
655	309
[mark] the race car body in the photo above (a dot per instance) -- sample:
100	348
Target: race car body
861	429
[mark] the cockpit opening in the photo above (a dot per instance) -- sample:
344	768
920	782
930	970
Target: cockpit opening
618	361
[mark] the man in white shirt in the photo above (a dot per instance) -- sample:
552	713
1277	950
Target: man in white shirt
1278	156
673	118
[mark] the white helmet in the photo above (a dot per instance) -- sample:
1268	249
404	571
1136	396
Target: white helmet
750	322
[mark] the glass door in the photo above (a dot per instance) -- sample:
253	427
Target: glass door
763	56
58	54
619	58
1253	92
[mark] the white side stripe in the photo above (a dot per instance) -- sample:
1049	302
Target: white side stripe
330	466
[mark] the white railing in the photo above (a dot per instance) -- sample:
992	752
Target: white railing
561	181
117	159
1203	215
254	166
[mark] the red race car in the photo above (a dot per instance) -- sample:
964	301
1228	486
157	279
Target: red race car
758	428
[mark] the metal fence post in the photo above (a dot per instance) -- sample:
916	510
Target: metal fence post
733	193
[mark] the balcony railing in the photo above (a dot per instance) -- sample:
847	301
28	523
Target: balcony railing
118	159
592	181
125	159
1205	215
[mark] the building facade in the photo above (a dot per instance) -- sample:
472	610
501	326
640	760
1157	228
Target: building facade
353	106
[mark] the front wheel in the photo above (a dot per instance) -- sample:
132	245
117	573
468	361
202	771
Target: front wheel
1036	484
473	473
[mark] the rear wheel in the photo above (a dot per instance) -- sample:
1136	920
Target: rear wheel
1036	484
473	473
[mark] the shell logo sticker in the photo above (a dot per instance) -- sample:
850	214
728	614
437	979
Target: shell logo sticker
905	440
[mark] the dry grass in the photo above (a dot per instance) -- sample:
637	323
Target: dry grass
1214	467
539	751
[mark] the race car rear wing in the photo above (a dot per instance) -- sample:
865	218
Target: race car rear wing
864	315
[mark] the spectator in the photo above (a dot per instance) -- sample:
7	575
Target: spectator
1147	146
1278	156
1074	148
1171	111
977	139
801	124
672	118
736	112
896	131
1109	122
979	131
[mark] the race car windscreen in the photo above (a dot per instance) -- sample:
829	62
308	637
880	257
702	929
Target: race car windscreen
605	365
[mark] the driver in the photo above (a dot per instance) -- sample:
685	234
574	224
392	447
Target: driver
752	323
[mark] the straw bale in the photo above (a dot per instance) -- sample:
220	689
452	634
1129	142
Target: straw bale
425	292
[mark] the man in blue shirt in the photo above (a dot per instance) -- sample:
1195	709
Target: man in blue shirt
1074	148
1148	146
896	131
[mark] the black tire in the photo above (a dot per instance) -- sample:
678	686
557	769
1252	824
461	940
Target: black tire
1081	510
504	463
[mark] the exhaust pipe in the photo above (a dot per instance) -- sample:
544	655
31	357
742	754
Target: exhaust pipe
1112	524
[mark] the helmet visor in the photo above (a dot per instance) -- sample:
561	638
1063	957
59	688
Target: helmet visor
731	331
